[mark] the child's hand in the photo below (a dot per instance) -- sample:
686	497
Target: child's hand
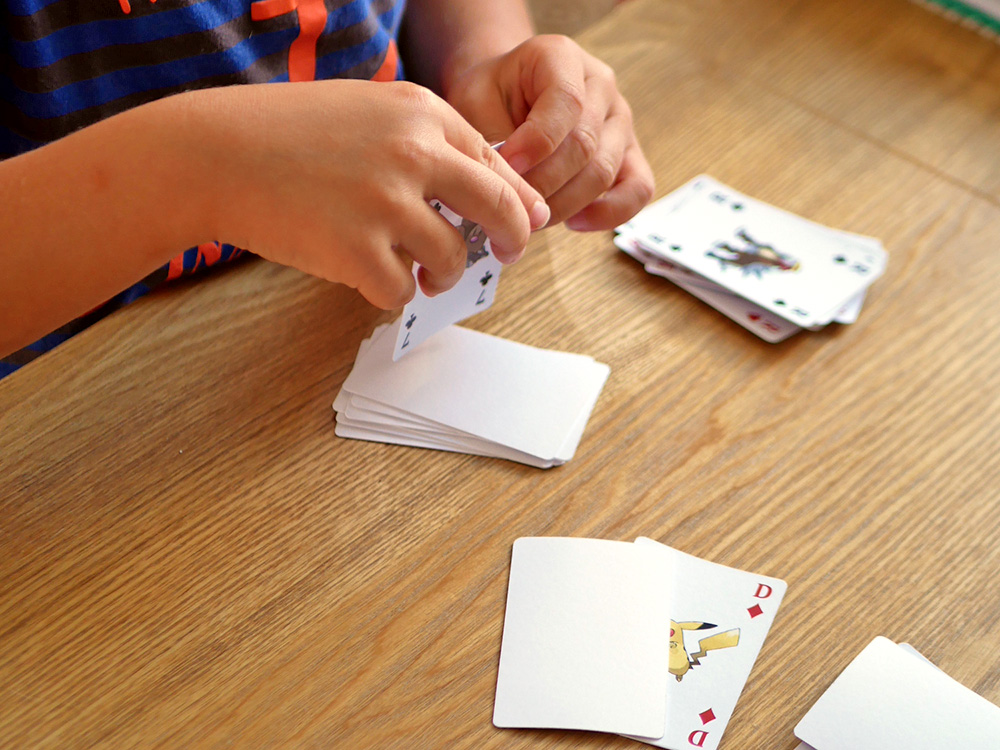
567	129
334	178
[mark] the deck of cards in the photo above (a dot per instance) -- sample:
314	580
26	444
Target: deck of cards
427	383
770	271
890	696
636	639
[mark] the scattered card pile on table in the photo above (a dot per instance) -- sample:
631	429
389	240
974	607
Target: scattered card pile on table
890	696
769	270
636	639
427	383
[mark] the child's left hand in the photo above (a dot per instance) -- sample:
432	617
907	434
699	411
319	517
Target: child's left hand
567	128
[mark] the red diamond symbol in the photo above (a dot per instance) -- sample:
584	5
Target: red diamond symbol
707	716
754	611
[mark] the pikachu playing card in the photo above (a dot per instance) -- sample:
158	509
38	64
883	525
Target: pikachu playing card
719	618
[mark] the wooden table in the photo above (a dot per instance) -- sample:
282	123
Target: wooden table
190	557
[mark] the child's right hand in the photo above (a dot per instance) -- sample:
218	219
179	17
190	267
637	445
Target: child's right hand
334	178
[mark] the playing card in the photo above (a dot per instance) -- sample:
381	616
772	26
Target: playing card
583	644
465	384
719	618
907	648
754	318
913	652
664	268
654	213
424	316
779	261
887	698
852	309
364	419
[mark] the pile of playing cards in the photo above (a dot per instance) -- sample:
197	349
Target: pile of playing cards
890	696
469	392
427	383
634	639
769	270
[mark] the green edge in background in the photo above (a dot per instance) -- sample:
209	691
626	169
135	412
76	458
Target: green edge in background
966	11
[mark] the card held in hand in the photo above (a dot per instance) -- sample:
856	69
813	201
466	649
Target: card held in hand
424	316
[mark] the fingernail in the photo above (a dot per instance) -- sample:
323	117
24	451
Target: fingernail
539	215
505	256
577	224
519	163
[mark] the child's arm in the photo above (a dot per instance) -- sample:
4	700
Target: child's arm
567	128
331	177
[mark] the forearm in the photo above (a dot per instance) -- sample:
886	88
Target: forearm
444	38
88	215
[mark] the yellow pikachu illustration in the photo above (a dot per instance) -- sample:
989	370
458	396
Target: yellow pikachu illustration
680	660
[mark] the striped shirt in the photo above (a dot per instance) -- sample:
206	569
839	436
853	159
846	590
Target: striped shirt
66	64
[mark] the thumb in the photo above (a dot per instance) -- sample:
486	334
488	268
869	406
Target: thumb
484	109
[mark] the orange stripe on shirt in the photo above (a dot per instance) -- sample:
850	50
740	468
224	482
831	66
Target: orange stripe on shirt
302	53
387	70
265	10
210	253
175	268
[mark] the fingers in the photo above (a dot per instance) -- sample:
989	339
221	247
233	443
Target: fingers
586	142
439	249
579	141
531	199
474	191
470	143
631	191
386	277
464	173
386	280
576	145
555	94
600	172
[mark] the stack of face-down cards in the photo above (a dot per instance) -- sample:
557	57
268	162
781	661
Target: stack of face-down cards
890	696
426	383
634	639
769	270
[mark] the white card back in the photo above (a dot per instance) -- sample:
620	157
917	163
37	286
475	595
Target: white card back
519	396
583	644
886	698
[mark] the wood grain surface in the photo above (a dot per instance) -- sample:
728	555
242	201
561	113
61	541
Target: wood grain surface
191	558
